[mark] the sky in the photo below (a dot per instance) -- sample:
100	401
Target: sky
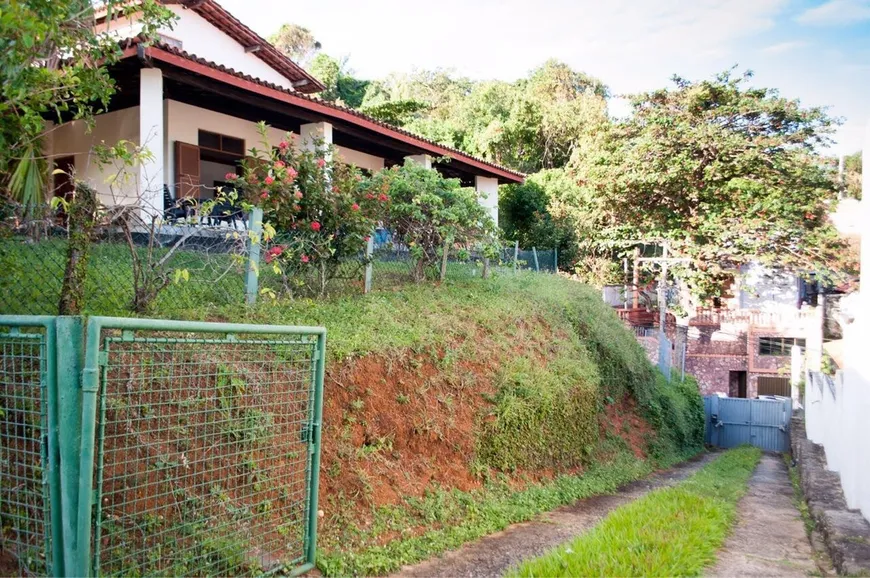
814	50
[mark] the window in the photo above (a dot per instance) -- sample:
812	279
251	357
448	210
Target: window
778	345
223	143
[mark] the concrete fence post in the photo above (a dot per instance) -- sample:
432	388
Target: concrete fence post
370	250
445	253
535	255
255	240
516	254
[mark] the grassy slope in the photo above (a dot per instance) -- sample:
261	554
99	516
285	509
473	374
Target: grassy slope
536	357
560	353
670	532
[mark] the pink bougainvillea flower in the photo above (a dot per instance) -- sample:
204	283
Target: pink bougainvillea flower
291	172
382	197
315	226
304	258
366	238
279	164
264	195
321	163
283	145
230	176
354	207
370	196
298	194
269	180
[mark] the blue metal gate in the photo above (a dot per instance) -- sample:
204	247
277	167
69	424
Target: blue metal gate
763	423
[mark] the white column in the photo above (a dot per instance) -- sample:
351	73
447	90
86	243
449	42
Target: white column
151	136
488	189
424	160
316	131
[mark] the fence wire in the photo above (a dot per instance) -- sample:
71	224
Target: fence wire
24	503
183	269
167	268
204	455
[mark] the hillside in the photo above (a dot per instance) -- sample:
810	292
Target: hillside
453	411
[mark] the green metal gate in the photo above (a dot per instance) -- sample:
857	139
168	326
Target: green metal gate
153	447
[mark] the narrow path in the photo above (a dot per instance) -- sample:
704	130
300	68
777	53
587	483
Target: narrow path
493	555
769	538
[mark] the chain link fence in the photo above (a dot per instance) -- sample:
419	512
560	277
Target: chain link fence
171	269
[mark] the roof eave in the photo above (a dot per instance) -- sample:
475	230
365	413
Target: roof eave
220	73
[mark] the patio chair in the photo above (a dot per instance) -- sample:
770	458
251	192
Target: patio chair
175	210
226	212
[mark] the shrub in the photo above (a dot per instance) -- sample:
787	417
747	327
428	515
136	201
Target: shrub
314	206
543	417
424	210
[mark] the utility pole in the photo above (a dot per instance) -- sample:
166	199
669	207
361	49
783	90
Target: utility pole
663	298
636	278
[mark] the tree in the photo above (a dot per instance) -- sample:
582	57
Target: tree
524	215
725	172
424	210
341	85
296	42
53	65
531	124
852	175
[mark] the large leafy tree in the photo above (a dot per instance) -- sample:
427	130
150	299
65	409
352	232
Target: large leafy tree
532	124
296	42
852	175
341	86
725	172
53	67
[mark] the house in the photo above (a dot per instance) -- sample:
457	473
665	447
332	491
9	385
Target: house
194	98
743	347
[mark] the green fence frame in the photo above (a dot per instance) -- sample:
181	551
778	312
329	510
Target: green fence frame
71	376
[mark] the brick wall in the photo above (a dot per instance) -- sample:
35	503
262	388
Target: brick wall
713	372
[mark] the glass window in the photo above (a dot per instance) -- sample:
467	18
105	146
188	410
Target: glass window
210	140
779	346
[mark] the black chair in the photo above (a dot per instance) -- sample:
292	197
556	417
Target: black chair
226	212
175	210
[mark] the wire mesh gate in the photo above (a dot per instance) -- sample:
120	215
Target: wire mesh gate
160	447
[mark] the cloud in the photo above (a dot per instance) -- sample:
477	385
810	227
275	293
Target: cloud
836	13
783	47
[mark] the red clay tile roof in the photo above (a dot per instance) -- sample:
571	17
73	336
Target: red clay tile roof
218	17
171	55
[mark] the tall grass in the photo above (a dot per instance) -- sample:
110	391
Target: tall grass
670	532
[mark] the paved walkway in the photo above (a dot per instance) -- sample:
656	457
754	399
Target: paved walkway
769	538
493	555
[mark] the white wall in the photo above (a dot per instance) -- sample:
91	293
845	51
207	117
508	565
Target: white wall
199	37
767	290
73	138
488	188
184	122
360	159
837	417
210	172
